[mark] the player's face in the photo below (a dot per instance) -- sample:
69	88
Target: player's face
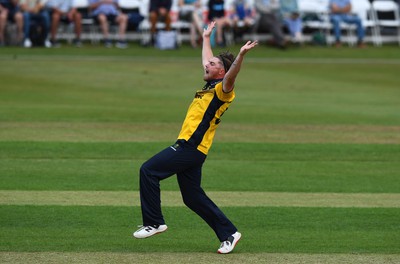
213	69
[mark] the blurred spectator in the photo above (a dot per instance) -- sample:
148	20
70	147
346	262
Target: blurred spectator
9	12
35	14
61	10
242	17
291	17
159	11
191	11
268	11
340	11
132	8
216	12
106	12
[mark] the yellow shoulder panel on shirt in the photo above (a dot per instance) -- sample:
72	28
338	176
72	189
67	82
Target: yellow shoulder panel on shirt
226	97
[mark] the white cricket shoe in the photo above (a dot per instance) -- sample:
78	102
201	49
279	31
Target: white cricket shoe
229	244
148	231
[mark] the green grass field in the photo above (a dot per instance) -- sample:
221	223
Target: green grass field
306	162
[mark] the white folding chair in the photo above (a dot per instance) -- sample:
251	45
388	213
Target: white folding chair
363	9
393	20
144	27
178	25
318	11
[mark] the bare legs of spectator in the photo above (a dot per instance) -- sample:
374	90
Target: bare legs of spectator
77	19
73	16
3	22
193	35
122	21
19	21
154	16
104	26
221	23
196	29
55	21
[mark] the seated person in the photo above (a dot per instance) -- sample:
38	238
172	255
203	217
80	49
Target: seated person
242	17
105	12
61	10
132	8
340	11
9	12
191	11
270	19
159	11
34	11
291	17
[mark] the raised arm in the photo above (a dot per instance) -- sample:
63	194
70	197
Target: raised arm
230	76
207	53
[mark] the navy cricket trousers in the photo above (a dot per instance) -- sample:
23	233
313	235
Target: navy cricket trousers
186	162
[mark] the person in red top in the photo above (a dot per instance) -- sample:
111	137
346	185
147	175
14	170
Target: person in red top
185	158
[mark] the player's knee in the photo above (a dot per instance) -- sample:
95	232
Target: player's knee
189	200
144	170
335	20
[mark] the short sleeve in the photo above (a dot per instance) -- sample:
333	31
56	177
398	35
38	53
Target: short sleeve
225	97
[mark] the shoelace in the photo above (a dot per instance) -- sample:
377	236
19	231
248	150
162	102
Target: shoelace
227	243
141	227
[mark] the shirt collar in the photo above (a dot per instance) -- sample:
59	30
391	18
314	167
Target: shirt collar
211	84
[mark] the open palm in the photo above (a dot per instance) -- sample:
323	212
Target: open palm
248	46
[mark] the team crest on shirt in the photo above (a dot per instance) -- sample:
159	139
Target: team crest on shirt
199	94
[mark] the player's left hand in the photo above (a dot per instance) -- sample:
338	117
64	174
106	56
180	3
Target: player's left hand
208	30
248	46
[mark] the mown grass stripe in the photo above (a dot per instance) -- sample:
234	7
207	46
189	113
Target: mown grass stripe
149	132
108	257
158	59
173	198
32	228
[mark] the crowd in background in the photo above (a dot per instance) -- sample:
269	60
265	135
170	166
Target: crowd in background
38	21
